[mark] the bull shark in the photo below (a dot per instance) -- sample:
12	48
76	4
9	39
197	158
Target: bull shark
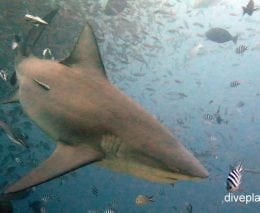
92	121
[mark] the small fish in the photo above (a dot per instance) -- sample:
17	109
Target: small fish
43	85
177	81
37	206
189	207
9	132
250	8
47	197
241	49
16	42
213	138
234	178
198	24
47	54
93	211
233	14
35	19
143	200
209	117
240	104
219	120
3	75
110	210
94	190
182	95
195	50
234	83
220	35
18	160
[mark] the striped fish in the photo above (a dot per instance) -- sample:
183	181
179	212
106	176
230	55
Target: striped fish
209	117
234	178
110	210
234	83
241	49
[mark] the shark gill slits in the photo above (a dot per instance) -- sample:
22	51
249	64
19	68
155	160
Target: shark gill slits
110	144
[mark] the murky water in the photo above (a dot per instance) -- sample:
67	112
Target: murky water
156	52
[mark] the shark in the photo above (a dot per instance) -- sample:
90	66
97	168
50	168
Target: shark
91	120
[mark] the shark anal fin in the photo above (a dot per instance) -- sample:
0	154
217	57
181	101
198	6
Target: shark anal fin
64	159
86	53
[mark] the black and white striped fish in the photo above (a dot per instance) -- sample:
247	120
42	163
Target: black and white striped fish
234	83
110	210
234	178
209	117
241	49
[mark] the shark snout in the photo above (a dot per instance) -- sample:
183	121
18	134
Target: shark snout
196	169
189	165
183	161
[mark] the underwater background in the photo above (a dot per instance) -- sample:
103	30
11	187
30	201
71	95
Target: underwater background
156	52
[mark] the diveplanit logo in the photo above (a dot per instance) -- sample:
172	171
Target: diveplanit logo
242	198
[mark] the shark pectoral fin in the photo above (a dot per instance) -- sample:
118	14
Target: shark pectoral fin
64	159
86	54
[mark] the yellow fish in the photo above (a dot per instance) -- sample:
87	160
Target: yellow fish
143	200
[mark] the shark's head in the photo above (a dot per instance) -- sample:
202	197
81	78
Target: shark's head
167	164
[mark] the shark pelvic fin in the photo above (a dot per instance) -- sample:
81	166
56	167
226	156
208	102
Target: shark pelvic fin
86	53
65	158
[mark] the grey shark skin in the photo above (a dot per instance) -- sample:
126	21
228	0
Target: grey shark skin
92	121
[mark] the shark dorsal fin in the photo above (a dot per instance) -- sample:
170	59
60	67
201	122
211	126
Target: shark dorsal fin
86	53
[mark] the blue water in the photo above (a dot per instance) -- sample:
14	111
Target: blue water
147	50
